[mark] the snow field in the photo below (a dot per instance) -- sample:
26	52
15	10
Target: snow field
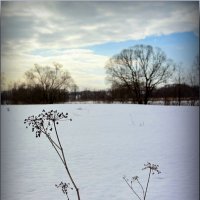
103	143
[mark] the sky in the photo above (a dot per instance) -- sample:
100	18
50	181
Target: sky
82	36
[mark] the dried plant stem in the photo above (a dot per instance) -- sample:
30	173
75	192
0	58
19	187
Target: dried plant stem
152	169
56	150
141	186
64	162
132	189
53	143
44	123
55	146
147	183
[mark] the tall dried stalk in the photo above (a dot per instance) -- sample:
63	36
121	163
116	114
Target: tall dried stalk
45	123
152	169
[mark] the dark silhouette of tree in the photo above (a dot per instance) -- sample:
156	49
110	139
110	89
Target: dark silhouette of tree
141	69
179	81
21	93
50	80
3	81
193	77
74	92
120	93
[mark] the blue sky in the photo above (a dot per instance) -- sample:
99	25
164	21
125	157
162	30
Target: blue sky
181	47
82	36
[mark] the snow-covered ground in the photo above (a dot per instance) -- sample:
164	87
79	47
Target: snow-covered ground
102	144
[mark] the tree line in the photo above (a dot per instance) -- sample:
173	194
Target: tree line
169	94
139	74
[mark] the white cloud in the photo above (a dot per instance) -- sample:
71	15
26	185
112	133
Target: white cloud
84	66
29	27
76	24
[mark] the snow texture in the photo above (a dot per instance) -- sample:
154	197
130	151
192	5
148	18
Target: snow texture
102	144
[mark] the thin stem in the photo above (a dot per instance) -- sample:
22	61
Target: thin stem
45	132
147	184
56	150
65	163
132	189
141	186
52	141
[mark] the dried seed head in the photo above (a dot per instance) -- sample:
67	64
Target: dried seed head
152	167
135	178
44	121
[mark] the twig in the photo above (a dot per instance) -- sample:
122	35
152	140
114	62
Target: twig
65	163
132	188
147	184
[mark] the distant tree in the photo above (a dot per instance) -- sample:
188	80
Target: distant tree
21	93
141	69
193	74
179	80
50	80
3	94
3	81
74	91
193	77
120	93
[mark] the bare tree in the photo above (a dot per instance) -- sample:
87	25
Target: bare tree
50	79
193	74
74	91
141	69
193	77
179	82
3	81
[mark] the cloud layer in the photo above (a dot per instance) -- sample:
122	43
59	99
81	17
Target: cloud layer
41	32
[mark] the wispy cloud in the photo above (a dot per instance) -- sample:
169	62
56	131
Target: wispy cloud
41	32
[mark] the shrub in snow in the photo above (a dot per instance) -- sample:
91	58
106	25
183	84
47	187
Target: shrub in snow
45	123
152	170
